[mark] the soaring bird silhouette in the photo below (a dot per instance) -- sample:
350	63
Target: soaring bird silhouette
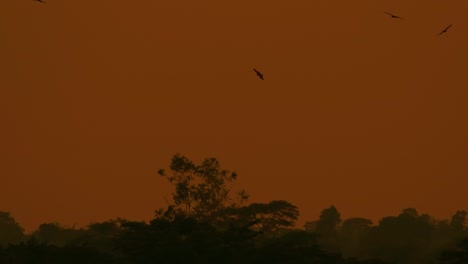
445	30
40	1
258	74
393	16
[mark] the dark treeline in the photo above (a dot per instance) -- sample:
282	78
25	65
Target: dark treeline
206	222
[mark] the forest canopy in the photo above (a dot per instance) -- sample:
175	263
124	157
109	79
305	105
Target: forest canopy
207	222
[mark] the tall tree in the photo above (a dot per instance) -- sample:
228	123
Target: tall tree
327	227
329	221
200	190
10	230
459	220
260	218
277	214
406	237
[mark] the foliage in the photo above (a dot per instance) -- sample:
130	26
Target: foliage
457	255
267	219
200	190
10	230
205	224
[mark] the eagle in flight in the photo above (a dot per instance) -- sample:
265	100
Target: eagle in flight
445	30
393	16
259	74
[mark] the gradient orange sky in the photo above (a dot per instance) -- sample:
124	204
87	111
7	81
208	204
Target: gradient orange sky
357	110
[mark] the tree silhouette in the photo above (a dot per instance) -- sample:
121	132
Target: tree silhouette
267	219
55	234
327	228
310	226
205	224
458	221
33	251
458	255
10	230
405	237
296	246
352	236
200	190
329	221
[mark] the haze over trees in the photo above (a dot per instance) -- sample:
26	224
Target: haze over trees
208	222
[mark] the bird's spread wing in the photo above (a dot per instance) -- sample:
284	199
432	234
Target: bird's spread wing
259	74
445	30
388	13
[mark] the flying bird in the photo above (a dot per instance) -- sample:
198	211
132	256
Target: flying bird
393	16
445	30
258	74
42	1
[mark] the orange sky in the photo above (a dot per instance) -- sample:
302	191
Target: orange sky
357	110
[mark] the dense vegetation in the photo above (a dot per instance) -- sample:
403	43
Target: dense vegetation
207	223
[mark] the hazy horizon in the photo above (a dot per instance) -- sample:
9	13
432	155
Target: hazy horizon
357	110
